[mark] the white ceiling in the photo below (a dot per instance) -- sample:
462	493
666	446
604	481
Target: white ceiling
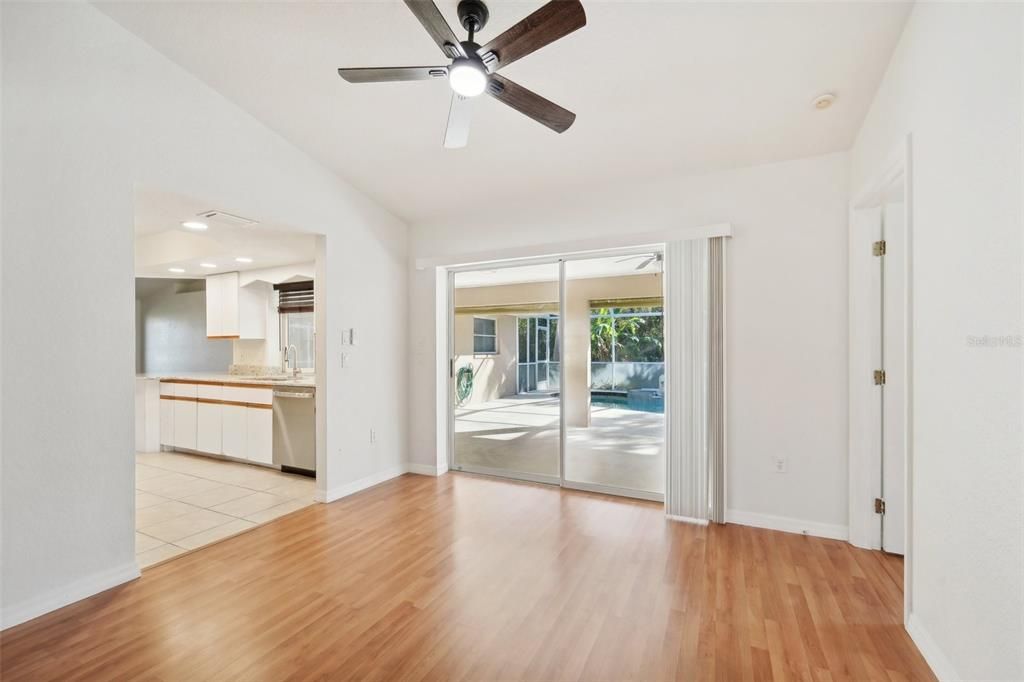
161	242
658	88
589	268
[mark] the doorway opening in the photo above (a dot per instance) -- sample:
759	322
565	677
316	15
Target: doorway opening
881	365
557	371
225	380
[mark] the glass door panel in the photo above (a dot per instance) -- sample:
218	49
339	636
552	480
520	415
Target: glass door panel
506	407
614	367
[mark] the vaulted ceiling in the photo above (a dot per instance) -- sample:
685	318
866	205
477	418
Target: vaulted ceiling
658	88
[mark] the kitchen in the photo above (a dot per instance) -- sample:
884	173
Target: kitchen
225	417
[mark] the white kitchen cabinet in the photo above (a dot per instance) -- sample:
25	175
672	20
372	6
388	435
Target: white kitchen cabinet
167	422
208	418
233	420
184	415
184	424
259	422
233	430
208	428
147	414
234	311
214	306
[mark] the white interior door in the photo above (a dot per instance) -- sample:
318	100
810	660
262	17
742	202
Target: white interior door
894	358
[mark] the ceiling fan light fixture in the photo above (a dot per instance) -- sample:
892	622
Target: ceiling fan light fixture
467	78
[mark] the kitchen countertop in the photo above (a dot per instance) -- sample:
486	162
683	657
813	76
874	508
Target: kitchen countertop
303	380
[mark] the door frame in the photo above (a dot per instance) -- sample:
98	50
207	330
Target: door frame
865	469
449	303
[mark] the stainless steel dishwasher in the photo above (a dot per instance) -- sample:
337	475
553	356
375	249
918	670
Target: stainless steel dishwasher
295	429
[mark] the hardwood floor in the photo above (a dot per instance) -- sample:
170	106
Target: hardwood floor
470	578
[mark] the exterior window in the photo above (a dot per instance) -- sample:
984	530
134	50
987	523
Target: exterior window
485	335
297	330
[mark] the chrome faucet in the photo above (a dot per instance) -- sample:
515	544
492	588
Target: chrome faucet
294	352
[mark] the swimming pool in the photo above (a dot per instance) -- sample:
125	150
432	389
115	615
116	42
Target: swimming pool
644	400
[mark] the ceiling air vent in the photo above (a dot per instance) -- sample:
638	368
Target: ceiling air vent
225	218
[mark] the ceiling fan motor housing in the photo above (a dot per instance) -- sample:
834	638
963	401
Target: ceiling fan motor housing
473	15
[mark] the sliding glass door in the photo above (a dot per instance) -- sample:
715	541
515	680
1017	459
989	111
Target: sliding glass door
614	388
505	398
558	372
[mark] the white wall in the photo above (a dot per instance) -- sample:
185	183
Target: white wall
89	112
172	329
787	317
494	374
955	85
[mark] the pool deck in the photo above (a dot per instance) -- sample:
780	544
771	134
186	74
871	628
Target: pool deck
622	447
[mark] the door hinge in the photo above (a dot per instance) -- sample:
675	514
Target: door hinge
451	368
878	248
879	505
879	377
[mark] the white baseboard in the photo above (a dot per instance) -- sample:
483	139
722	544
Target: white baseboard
425	469
80	589
687	519
933	655
787	524
361	484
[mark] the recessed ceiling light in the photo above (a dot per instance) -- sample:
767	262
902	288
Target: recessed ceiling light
177	270
207	265
194	225
243	259
824	100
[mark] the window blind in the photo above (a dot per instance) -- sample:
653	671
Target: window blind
295	297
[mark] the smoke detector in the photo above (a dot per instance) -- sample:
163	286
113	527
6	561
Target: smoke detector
824	100
225	218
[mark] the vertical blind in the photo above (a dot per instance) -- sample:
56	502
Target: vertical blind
716	378
695	405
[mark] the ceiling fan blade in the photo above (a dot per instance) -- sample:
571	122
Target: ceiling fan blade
456	135
530	103
430	16
388	74
554	20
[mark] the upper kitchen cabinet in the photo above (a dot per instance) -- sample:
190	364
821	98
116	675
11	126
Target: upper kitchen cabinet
233	311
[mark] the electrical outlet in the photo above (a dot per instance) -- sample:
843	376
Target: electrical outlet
373	436
780	465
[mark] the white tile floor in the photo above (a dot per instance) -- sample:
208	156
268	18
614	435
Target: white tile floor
186	501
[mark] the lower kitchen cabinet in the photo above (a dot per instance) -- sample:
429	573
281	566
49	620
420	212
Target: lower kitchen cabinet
236	421
167	422
208	428
233	430
259	423
185	424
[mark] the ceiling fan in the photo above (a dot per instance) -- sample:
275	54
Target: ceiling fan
645	258
473	70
